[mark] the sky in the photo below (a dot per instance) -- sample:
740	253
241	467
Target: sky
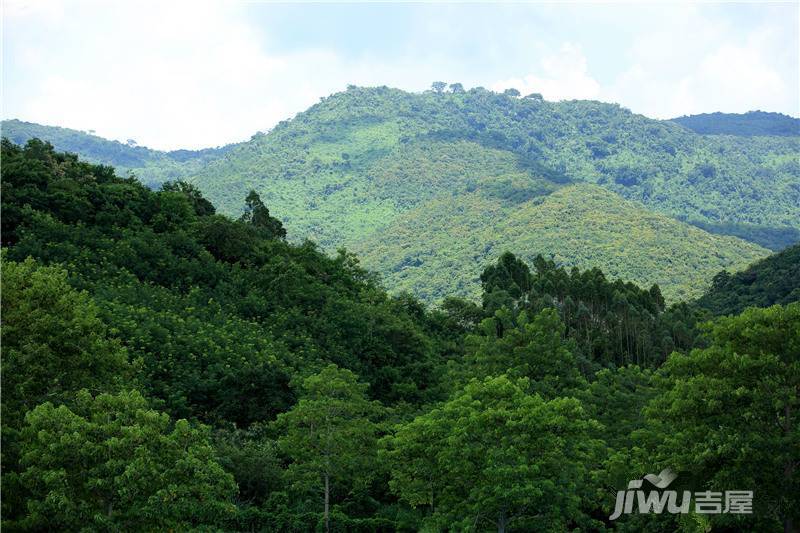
197	74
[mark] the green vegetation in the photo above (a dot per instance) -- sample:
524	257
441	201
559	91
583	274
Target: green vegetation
152	167
166	367
774	280
468	174
743	124
432	250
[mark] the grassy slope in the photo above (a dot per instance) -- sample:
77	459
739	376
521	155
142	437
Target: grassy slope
440	248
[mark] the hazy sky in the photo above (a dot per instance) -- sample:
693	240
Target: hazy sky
195	74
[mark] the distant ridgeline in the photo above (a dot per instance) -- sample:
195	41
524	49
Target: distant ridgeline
742	124
152	167
424	186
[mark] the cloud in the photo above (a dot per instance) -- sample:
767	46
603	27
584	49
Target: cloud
700	64
203	73
562	76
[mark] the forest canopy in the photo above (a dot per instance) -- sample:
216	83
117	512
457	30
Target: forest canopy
167	367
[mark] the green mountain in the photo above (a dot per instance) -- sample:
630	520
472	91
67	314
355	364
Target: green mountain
774	280
742	124
374	169
152	167
432	251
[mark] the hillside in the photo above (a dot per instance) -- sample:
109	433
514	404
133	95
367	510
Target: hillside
773	280
209	375
431	250
152	167
337	144
742	124
363	166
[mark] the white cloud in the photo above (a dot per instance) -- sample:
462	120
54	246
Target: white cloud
700	65
562	76
195	74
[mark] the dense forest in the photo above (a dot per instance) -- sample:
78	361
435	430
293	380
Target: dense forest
166	367
743	124
366	167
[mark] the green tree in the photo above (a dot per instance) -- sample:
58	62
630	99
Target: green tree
202	207
438	86
111	463
329	436
727	416
256	214
496	456
54	344
531	348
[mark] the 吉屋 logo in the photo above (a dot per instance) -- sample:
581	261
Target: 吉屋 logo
654	501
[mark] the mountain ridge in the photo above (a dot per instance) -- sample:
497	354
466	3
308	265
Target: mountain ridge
357	164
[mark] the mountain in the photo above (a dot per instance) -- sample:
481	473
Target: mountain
372	169
432	250
742	124
152	167
773	280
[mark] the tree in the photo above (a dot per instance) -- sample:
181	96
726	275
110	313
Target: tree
438	86
495	455
329	436
202	207
54	344
726	416
456	88
508	274
111	463
511	92
531	348
256	214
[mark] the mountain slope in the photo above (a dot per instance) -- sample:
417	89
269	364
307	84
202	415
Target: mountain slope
341	142
434	250
774	280
152	167
378	169
742	124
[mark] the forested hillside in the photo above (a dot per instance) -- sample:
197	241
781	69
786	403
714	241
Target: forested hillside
169	368
152	167
366	168
742	124
774	280
431	251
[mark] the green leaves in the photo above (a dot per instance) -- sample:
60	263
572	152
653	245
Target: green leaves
109	462
726	415
330	435
494	454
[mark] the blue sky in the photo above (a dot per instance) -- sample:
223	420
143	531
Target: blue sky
196	74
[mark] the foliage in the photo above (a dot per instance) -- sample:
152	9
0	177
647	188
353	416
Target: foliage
329	436
522	347
132	317
745	124
775	239
110	463
774	280
186	291
468	170
725	416
152	167
496	457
